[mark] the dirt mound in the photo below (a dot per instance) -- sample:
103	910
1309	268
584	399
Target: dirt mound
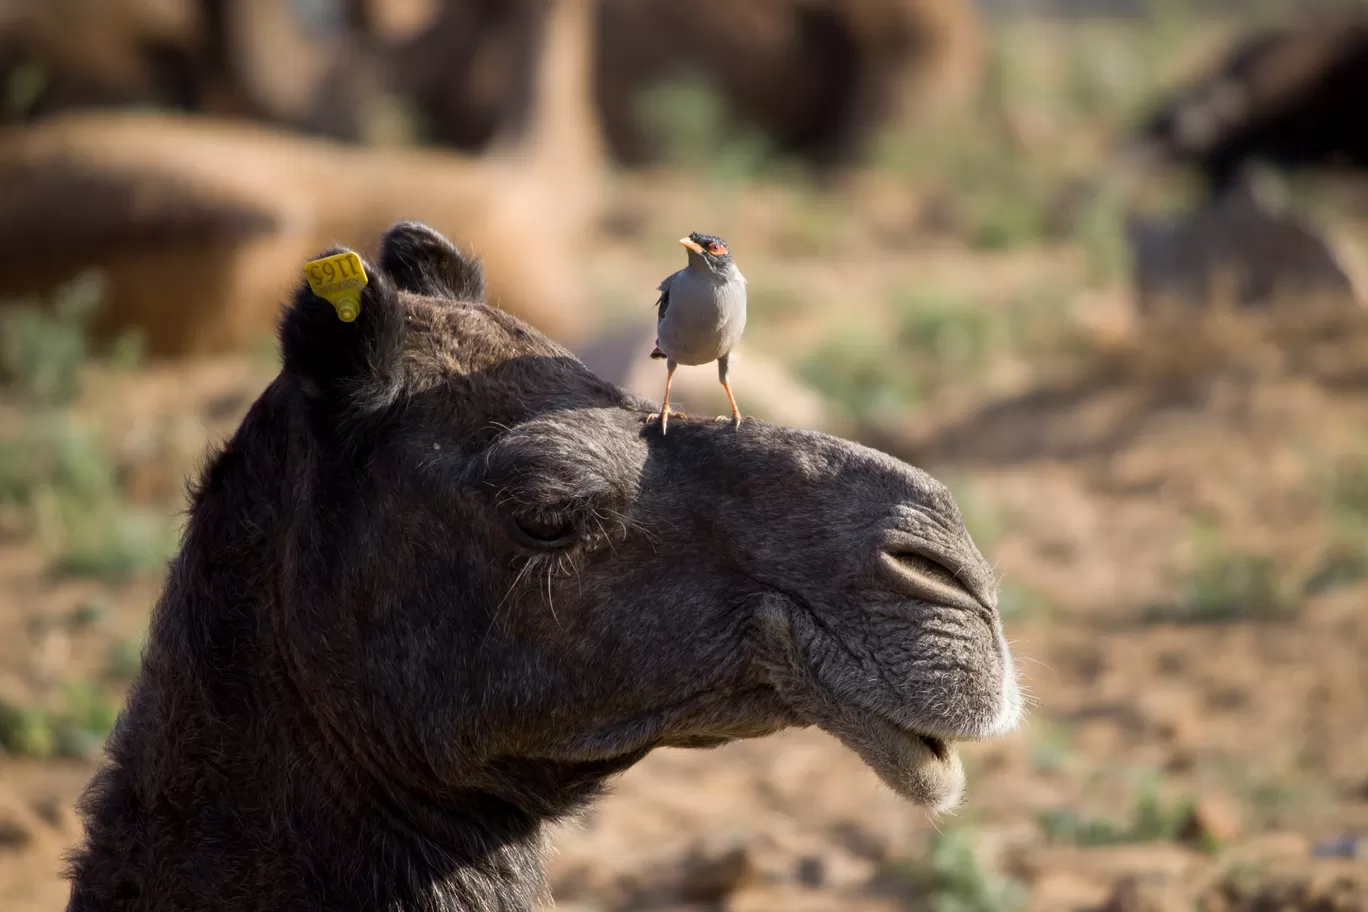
1320	887
1240	249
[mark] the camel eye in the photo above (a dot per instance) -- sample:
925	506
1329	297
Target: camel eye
543	531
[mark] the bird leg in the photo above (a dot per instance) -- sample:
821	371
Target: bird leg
670	366
722	367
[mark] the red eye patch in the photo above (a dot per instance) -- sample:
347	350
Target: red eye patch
717	249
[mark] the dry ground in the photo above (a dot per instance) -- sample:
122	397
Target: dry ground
1178	512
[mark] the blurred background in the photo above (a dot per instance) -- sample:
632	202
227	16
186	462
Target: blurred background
1098	265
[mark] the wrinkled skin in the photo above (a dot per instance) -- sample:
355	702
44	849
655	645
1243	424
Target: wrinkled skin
444	581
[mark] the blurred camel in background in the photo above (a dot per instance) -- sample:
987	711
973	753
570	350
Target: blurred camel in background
816	78
198	224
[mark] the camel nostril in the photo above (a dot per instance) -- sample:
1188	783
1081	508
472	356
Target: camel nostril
919	575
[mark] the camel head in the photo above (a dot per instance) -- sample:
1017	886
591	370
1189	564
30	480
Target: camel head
498	566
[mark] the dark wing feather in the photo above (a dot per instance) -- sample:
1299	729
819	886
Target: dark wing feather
662	303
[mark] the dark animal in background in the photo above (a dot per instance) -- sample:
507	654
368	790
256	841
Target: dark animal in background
816	78
1294	98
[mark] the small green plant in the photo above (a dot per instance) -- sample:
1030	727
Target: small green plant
1099	229
1050	747
115	544
1230	586
1239	586
953	879
953	334
25	731
60	478
75	730
1151	820
23	87
43	350
90	613
59	483
1345	493
687	121
860	370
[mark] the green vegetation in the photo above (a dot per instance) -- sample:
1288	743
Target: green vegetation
1238	586
22	87
76	729
42	350
687	121
941	339
1345	497
1052	104
953	879
1230	585
1050	747
859	370
1152	819
59	483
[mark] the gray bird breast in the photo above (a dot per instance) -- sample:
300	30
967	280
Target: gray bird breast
705	318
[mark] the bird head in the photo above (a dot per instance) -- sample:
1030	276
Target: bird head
707	251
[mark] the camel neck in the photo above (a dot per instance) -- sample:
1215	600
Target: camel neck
222	822
223	790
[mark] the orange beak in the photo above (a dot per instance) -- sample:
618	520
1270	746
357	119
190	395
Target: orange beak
688	242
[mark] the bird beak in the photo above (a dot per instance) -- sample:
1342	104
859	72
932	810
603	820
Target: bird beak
688	242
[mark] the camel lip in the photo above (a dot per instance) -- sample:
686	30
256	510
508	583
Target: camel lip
939	747
921	767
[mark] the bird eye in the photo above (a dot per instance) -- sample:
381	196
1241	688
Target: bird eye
716	249
543	532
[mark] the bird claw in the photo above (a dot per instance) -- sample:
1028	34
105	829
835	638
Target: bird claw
664	417
734	419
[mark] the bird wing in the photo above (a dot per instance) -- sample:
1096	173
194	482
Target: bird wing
662	303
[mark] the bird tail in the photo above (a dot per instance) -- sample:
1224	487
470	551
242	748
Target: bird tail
657	354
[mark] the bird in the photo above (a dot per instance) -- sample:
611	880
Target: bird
700	315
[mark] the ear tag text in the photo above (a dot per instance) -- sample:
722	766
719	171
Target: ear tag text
338	279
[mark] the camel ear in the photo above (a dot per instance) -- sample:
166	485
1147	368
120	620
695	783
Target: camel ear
334	356
421	261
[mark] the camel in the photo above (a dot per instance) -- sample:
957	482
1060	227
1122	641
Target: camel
443	582
819	78
198	223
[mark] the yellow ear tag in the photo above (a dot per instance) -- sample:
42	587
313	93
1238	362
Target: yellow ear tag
338	279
